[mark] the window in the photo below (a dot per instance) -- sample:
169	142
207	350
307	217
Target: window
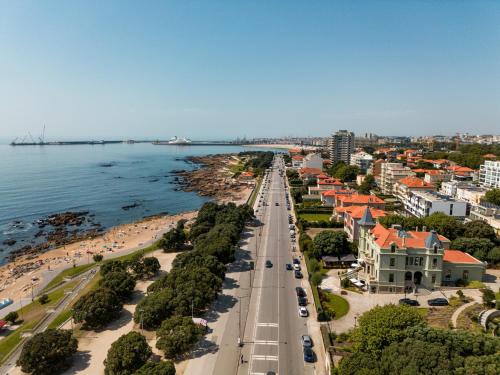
434	263
433	279
406	261
411	261
421	261
393	248
435	249
392	262
465	275
447	276
391	277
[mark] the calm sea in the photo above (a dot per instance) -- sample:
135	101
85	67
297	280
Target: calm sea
39	181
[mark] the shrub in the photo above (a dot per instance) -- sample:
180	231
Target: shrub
121	282
43	299
12	317
157	368
177	335
97	308
97	258
316	278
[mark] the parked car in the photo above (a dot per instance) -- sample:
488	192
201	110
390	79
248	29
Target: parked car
296	261
288	267
303	312
276	204
302	301
306	341
298	275
438	302
300	291
308	354
269	264
296	267
409	302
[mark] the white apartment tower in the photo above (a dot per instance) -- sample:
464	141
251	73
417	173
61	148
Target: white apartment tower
342	146
489	174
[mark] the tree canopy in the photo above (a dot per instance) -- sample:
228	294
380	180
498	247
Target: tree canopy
48	352
121	282
156	368
493	196
127	354
177	335
331	243
97	308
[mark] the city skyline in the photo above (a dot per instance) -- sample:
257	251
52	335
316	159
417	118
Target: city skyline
223	70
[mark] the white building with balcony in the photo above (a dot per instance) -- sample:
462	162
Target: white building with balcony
489	174
425	203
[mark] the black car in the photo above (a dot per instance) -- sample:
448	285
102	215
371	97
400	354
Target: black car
308	354
296	261
302	301
276	204
298	275
300	291
409	302
438	302
288	267
269	264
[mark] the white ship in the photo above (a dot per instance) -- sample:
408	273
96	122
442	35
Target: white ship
179	141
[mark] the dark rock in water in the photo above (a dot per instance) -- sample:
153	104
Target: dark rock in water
175	171
117	177
9	242
1	250
154	180
179	159
39	233
176	179
128	207
107	165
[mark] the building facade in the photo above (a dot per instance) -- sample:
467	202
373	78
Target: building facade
342	146
362	160
391	173
425	203
489	174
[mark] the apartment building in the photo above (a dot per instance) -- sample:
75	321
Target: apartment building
464	191
394	260
489	174
404	188
362	160
390	173
487	212
425	203
312	160
342	146
352	217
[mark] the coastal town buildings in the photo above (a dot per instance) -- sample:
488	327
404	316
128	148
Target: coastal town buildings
392	260
391	173
352	216
404	188
312	160
344	201
489	174
487	212
425	203
342	146
362	160
464	191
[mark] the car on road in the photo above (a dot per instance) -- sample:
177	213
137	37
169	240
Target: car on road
269	264
308	355
270	373
296	267
276	204
306	341
438	302
288	267
300	291
302	301
303	312
298	275
409	302
296	261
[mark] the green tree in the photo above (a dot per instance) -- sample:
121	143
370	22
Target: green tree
97	308
48	352
360	363
112	266
316	278
173	240
127	354
367	185
97	258
488	296
12	317
493	196
479	247
151	266
415	357
383	325
445	225
479	229
347	173
494	255
177	335
331	243
157	368
121	282
153	309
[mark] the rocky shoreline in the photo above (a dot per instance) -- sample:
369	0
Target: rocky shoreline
213	178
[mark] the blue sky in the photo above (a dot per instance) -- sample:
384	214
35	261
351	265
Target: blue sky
221	69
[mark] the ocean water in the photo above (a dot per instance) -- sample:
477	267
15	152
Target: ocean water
38	181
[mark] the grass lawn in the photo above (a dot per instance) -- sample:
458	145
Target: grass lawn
9	342
315	217
70	272
336	304
255	192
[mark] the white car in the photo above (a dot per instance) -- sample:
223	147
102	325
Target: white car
296	267
303	313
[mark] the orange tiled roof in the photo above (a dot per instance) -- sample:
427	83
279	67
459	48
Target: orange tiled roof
247	174
384	237
360	198
331	181
414	182
356	212
323	176
457	256
326	161
297	157
490	156
460	169
314	171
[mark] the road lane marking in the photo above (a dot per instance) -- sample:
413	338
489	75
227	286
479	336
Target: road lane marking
266	342
267	324
264	358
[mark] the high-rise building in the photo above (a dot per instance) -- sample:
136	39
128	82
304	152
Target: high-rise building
342	146
489	174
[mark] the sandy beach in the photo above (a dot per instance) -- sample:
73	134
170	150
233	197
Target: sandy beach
17	278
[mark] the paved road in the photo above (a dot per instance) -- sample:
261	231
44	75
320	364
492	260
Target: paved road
273	329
